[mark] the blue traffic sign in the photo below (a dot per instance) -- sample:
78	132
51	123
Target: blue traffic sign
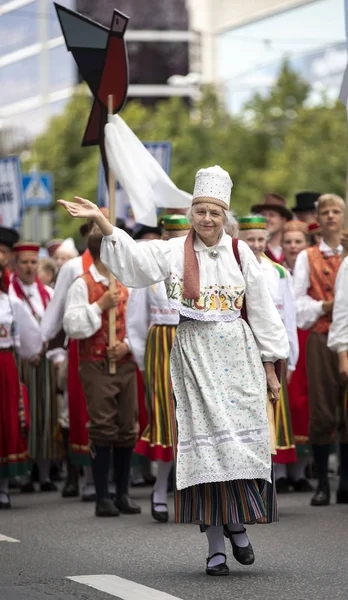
38	189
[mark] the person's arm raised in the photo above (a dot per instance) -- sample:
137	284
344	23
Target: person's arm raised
85	209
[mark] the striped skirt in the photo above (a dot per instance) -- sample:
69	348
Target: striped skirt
156	440
245	501
40	382
286	448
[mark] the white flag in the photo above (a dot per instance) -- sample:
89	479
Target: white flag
146	184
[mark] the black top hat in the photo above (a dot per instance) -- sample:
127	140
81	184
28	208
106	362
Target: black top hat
305	201
8	237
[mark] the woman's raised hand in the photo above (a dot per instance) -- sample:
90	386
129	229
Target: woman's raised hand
82	208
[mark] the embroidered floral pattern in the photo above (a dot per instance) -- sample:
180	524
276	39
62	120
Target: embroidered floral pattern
213	298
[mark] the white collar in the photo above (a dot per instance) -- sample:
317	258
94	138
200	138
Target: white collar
27	288
200	246
98	278
323	247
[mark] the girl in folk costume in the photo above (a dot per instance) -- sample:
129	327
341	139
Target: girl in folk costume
19	332
277	214
314	282
38	376
151	327
8	237
296	239
253	232
220	366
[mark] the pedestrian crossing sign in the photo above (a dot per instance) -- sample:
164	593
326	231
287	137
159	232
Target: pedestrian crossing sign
38	189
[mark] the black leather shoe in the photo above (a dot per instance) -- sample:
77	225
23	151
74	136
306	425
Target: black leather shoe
160	516
127	506
282	485
70	490
48	486
302	485
321	496
218	570
342	495
245	556
106	508
27	488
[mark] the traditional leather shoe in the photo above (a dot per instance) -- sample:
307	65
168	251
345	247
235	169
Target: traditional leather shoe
48	486
106	508
27	488
70	490
321	496
160	516
282	485
245	556
342	495
302	485
126	505
218	570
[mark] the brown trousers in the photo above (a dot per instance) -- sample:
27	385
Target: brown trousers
326	393
112	403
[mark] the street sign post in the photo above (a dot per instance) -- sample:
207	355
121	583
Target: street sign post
38	193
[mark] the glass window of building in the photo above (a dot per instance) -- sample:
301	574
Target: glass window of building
20	80
19	28
311	36
63	73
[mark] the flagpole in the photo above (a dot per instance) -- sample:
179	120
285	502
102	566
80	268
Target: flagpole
112	217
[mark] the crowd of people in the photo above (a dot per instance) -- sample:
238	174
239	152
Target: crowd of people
229	364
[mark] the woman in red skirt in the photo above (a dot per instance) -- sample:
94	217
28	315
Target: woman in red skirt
18	333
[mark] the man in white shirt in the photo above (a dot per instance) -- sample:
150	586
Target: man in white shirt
38	375
314	282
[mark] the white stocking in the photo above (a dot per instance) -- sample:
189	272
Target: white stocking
4	490
280	471
240	539
216	543
161	485
89	487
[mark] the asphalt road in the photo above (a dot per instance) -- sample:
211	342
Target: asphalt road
305	556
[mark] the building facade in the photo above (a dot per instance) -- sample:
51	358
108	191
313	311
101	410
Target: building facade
38	74
243	44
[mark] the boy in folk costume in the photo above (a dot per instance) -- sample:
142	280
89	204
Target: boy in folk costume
151	327
111	398
38	375
314	281
279	282
277	214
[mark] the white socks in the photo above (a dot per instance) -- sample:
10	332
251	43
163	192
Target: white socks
161	485
216	543
89	487
280	471
44	470
240	539
298	469
4	491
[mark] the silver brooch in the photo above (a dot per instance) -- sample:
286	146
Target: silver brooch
213	254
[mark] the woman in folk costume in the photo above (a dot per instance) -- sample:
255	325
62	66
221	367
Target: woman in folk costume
8	237
19	332
39	377
296	239
220	366
253	232
151	327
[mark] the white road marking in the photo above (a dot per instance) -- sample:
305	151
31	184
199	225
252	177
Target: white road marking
4	538
122	588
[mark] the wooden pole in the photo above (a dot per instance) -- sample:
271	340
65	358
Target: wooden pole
112	217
